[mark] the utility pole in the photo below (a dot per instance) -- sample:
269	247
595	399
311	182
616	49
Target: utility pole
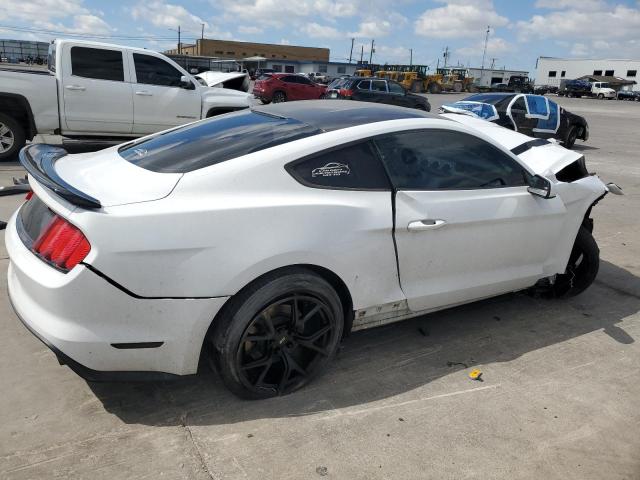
446	56
486	41
351	53
179	43
410	57
361	53
372	51
202	36
493	63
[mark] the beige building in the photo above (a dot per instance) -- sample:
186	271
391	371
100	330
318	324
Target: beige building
238	50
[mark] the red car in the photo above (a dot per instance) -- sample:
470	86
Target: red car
284	87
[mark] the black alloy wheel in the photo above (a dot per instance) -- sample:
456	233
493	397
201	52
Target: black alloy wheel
284	342
277	333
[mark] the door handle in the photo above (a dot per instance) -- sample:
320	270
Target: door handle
427	224
75	87
144	93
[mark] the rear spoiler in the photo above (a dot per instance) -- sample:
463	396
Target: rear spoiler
38	160
529	145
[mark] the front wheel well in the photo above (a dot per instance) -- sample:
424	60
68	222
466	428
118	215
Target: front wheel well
17	107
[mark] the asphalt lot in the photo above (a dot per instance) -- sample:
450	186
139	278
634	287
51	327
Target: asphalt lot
558	398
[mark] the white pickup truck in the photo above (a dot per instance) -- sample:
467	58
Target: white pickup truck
102	91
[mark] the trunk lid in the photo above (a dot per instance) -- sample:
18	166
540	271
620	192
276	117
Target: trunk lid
95	180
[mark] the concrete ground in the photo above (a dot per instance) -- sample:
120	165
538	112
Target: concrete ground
559	396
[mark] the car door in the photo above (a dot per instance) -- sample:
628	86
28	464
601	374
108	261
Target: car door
292	87
96	92
398	95
518	113
379	91
159	99
548	127
465	225
307	89
362	91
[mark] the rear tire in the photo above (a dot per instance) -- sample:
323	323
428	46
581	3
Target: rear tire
277	334
12	137
572	136
582	267
435	88
278	97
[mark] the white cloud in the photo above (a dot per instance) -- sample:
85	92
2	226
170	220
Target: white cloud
249	30
315	30
495	45
372	29
44	10
571	4
620	22
459	18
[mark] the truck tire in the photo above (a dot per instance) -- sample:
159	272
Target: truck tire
572	136
416	86
457	87
12	137
435	88
600	96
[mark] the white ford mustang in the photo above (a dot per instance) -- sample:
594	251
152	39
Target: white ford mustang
259	238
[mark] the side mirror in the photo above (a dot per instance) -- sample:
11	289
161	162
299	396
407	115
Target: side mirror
186	83
541	187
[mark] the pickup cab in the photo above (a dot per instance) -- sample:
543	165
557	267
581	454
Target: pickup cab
100	91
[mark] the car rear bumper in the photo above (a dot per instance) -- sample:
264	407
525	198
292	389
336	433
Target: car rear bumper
99	330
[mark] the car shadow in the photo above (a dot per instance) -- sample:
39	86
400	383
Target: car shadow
383	362
579	147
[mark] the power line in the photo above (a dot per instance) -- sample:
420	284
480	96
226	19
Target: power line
101	36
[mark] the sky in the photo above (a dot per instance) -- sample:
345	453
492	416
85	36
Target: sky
520	30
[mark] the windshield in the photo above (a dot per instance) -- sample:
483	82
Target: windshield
212	141
604	85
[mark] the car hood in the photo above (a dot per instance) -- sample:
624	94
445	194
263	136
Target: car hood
112	180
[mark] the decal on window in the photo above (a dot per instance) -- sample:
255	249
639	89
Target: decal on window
332	169
537	107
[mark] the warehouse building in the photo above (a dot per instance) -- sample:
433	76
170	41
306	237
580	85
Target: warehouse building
16	51
551	71
486	77
229	49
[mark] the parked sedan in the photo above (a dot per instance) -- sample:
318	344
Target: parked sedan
257	239
628	95
377	90
283	87
533	115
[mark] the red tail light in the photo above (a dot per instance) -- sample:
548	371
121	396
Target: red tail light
346	92
29	195
62	244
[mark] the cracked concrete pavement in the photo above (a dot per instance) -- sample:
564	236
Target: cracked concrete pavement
558	397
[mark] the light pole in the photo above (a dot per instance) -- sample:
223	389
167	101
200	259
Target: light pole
179	44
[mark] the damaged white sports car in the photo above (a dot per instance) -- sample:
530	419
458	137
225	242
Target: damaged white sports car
257	239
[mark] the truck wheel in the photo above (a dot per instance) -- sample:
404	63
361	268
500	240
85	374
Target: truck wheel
12	137
600	96
582	267
457	87
435	88
277	334
416	86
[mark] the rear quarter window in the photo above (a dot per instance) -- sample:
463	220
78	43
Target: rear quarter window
355	167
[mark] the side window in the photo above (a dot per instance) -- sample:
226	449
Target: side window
353	167
538	107
303	80
289	79
364	85
446	160
155	71
396	88
519	105
97	63
379	86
